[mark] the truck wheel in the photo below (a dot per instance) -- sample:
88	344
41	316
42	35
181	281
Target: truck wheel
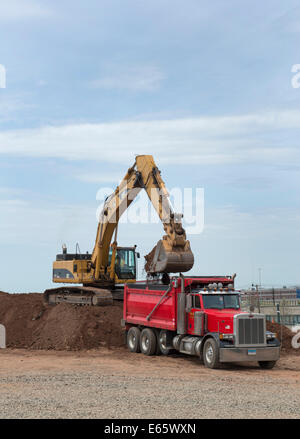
211	354
157	350
267	364
162	336
133	339
148	341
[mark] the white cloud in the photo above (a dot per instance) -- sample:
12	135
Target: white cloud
4	190
22	9
103	177
22	221
250	138
42	83
11	104
144	78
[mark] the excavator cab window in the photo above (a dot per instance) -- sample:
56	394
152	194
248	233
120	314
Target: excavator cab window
125	266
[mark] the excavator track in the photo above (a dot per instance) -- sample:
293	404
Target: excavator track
79	296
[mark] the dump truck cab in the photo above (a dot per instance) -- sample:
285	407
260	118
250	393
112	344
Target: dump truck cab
219	308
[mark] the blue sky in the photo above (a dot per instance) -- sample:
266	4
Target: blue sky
203	86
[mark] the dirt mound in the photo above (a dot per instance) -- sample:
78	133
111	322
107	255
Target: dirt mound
284	335
31	324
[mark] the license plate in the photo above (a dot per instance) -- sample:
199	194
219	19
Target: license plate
251	351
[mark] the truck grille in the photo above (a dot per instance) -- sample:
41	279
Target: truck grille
250	330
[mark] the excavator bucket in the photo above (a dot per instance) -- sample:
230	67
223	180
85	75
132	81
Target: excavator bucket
165	258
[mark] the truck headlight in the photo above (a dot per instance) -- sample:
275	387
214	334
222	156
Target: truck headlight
271	335
226	336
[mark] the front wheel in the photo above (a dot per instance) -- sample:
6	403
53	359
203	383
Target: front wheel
267	364
162	343
211	354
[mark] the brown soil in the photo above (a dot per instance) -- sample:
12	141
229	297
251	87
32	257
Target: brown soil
149	257
284	335
31	324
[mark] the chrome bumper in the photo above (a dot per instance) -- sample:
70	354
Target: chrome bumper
242	354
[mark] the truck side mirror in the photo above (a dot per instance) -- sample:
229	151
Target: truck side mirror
138	255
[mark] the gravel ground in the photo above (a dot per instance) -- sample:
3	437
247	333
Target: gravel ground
116	384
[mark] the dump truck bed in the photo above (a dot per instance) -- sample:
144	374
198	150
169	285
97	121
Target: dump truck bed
140	299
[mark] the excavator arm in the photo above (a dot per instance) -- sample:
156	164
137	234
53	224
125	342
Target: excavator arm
172	253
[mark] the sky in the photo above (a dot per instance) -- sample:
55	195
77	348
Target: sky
205	87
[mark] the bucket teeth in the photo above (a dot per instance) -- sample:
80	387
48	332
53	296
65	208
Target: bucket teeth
169	259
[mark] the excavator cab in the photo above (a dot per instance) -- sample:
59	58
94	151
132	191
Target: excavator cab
125	262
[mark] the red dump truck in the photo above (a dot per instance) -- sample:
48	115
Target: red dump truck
198	316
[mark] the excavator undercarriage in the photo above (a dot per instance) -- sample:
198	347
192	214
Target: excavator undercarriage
79	295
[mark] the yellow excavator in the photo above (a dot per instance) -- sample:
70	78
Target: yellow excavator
103	273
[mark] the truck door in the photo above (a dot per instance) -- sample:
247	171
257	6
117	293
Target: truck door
195	316
192	303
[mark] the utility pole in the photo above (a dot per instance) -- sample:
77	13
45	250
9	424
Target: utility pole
258	298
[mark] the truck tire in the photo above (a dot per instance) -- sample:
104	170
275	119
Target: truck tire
267	364
211	354
157	350
133	339
162	343
148	341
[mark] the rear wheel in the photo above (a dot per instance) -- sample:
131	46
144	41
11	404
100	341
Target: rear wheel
162	343
148	341
267	364
133	339
211	354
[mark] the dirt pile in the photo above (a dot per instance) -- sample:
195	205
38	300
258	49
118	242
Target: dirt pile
31	324
284	335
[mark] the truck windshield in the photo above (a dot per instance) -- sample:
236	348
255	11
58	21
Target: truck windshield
221	301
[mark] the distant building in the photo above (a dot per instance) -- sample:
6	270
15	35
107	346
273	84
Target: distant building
274	294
